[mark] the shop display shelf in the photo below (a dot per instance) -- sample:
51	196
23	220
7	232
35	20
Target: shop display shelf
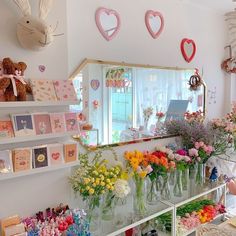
37	104
13	175
153	212
23	139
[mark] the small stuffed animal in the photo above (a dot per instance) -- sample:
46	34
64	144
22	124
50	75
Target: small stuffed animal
12	81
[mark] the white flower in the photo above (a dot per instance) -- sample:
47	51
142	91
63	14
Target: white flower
121	188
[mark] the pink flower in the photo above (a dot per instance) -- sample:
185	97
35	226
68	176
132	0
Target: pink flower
193	152
172	164
197	145
201	144
198	159
178	157
187	159
149	169
182	152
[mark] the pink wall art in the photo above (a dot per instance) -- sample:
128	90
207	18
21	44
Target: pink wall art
154	21
108	22
188	49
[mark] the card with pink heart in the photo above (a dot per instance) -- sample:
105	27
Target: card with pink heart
55	154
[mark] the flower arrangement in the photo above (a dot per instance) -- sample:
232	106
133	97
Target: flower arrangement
201	152
139	168
147	113
160	115
68	222
192	117
94	179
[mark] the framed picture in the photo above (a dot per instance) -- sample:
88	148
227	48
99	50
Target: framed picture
70	152
23	125
55	153
22	159
6	129
42	123
5	162
71	122
57	122
40	157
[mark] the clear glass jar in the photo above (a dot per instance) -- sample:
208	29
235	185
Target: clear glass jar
178	187
185	178
165	187
153	190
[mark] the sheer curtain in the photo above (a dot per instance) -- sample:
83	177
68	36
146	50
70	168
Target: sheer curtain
156	87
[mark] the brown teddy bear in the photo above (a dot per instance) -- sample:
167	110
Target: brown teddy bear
12	81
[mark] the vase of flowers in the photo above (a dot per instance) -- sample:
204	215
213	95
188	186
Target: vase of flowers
139	196
185	178
147	113
178	187
165	188
138	164
201	153
153	190
159	124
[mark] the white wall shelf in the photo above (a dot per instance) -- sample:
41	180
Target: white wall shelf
34	171
37	104
30	138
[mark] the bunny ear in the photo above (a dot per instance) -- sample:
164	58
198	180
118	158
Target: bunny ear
24	6
44	8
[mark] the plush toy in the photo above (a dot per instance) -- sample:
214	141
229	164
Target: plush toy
12	81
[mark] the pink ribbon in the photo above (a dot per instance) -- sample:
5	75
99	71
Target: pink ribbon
13	79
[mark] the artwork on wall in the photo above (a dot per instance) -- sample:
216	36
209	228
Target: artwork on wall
154	21
42	68
95	84
108	22
188	49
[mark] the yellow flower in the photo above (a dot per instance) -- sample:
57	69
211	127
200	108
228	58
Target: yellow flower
142	174
112	188
106	173
86	180
124	175
95	172
108	186
108	180
94	184
91	191
102	183
102	177
87	188
92	180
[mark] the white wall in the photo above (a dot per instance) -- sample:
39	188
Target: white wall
134	44
54	57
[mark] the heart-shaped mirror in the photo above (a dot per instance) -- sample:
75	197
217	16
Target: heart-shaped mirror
154	22
188	49
108	22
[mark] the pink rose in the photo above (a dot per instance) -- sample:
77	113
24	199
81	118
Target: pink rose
149	169
197	145
198	159
187	159
193	152
201	144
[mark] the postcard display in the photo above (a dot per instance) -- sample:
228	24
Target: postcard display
37	152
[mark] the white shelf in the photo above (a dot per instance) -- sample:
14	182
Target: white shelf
37	170
159	209
37	104
35	137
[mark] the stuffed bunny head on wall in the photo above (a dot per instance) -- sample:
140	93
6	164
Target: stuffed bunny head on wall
34	33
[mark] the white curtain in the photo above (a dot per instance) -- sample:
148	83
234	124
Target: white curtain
156	87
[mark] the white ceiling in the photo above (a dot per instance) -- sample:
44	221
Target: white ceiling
219	5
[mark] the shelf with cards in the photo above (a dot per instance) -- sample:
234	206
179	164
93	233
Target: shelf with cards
23	139
13	175
37	104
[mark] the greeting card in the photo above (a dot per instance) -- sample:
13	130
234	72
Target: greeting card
65	90
57	122
22	159
55	154
71	121
5	161
43	90
70	152
6	129
42	123
40	157
23	125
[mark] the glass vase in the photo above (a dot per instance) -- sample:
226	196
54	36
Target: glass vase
185	178
172	178
153	191
200	174
139	196
165	187
94	214
178	187
108	206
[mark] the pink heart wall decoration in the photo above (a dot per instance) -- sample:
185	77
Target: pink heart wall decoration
149	14
188	56
103	31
